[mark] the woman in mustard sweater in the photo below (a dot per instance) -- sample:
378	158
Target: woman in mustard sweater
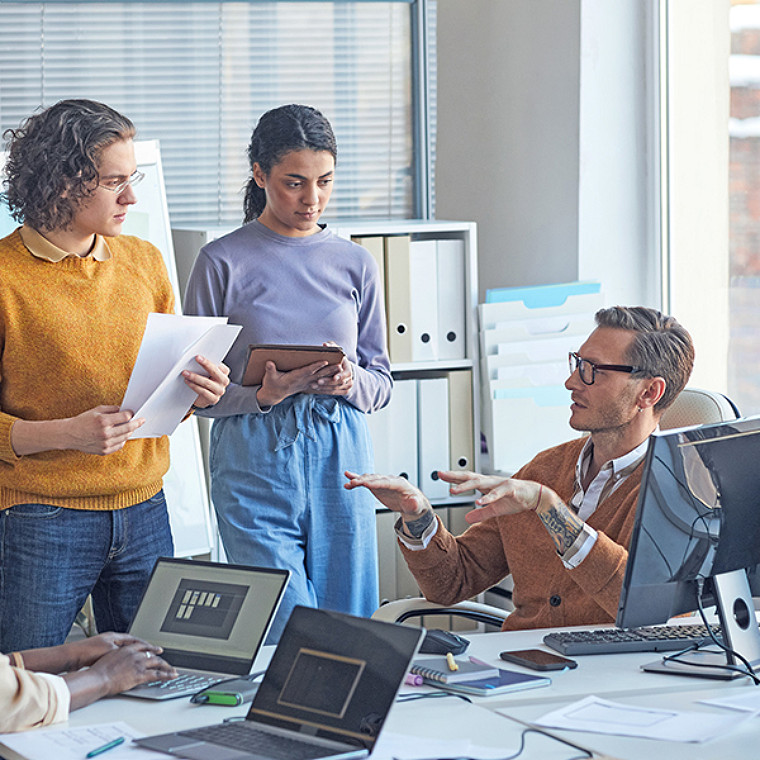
81	505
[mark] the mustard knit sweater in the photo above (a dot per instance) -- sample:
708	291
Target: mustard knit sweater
546	593
69	336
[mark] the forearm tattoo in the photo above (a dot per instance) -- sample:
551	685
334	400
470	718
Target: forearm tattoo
563	524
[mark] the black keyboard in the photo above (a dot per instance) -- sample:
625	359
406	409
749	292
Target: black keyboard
239	736
619	640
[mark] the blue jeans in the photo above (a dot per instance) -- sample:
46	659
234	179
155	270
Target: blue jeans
51	558
277	487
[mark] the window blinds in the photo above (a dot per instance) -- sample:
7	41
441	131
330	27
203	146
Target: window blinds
197	75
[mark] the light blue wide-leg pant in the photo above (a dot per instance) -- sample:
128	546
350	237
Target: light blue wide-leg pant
277	487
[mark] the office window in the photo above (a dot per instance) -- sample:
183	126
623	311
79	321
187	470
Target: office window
744	208
197	75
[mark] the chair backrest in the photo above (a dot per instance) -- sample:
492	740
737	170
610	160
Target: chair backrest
695	406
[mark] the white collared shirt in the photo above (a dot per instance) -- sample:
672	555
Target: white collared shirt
585	503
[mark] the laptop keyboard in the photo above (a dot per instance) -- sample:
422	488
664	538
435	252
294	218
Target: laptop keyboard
186	683
240	736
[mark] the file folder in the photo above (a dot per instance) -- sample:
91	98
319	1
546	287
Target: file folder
529	351
433	426
394	433
451	299
543	296
375	244
461	434
525	421
491	314
410	269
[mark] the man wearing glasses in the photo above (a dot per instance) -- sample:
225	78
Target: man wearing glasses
561	526
81	506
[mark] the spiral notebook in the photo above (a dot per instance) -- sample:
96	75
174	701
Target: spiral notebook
436	670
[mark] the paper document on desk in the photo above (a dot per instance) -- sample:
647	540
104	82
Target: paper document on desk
156	390
75	743
600	716
744	700
448	727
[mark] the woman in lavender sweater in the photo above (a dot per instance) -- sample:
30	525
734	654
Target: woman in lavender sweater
279	449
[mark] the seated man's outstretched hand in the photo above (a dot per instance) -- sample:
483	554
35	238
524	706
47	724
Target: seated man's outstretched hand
394	492
462	481
508	498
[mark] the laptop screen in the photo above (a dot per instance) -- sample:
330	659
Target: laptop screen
335	675
207	615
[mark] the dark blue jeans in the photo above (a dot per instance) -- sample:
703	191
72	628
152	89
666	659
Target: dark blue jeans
51	558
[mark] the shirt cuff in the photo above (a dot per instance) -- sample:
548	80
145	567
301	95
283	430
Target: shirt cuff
416	544
580	548
63	701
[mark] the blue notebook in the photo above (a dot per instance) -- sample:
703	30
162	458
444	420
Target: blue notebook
506	681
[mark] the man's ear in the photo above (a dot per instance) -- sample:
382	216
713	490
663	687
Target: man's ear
651	392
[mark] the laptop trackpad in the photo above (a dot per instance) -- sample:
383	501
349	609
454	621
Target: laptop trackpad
183	746
214	752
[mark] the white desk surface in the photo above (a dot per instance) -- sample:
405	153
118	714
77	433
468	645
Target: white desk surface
615	677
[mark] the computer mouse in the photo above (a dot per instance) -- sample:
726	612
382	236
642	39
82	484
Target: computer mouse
441	642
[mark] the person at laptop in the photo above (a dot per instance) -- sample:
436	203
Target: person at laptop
31	695
561	526
81	506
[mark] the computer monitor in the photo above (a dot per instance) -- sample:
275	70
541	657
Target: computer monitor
697	529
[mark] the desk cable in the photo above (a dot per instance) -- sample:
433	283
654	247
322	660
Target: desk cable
747	670
529	729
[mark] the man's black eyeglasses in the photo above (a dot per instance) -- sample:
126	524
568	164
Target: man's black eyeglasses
587	369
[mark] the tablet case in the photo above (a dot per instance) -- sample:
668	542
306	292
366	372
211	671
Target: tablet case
286	358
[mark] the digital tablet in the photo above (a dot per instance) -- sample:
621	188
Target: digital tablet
286	358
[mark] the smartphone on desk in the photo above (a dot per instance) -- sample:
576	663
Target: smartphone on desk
538	659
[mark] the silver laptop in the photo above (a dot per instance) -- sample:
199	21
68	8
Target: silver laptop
210	618
326	694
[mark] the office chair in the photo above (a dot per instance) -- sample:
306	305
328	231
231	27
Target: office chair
401	610
693	406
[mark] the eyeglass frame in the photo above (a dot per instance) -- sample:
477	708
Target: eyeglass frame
134	179
574	358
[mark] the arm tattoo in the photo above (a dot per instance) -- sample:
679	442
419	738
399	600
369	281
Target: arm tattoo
563	524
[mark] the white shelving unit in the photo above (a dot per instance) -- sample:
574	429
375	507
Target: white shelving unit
395	579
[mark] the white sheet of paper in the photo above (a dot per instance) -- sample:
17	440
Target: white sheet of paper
746	700
407	747
601	716
156	389
75	743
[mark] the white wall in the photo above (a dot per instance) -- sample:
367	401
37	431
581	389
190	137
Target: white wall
698	95
543	112
508	99
618	213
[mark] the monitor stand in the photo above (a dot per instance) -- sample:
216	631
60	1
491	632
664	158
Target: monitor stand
736	613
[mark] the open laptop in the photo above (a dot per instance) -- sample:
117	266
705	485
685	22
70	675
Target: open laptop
210	618
326	694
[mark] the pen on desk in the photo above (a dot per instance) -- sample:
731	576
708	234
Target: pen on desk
413	679
109	745
452	662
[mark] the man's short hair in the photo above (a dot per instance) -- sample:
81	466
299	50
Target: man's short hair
53	160
662	347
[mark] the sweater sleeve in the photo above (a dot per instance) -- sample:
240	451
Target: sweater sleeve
600	575
372	374
205	296
7	454
30	700
452	569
